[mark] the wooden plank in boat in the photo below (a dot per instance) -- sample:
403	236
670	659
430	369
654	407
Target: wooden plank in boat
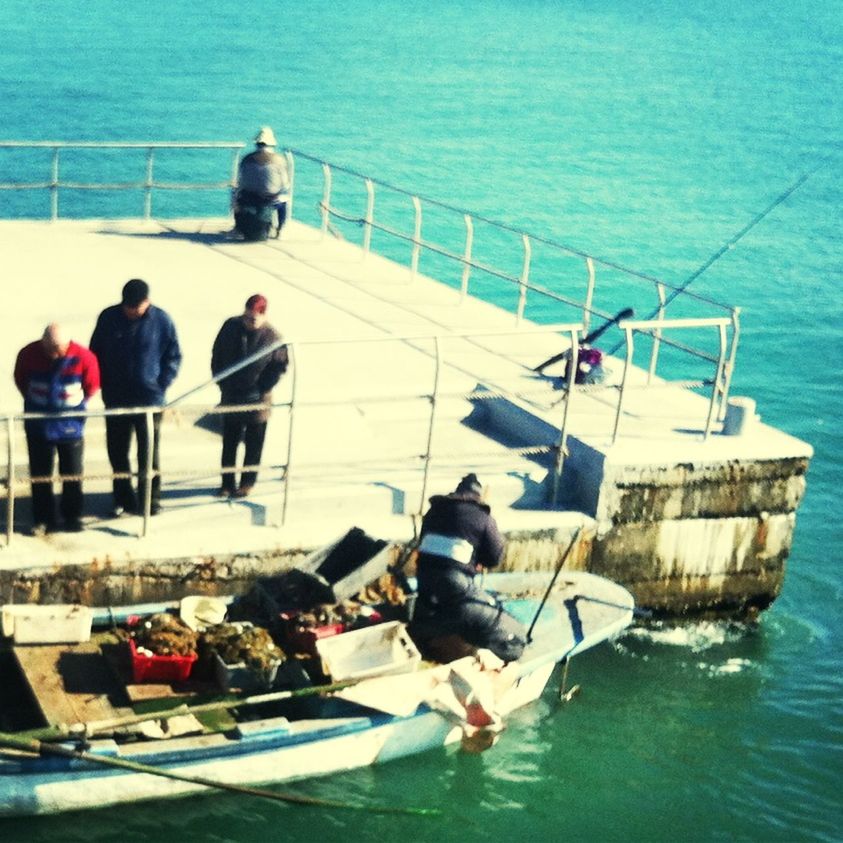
71	683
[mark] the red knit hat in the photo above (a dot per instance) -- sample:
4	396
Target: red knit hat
257	303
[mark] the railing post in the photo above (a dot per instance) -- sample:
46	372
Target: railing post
730	366
290	420
54	187
147	188
657	333
291	169
589	296
10	484
326	196
147	470
559	463
718	378
370	214
525	277
626	367
414	258
235	169
433	401
466	261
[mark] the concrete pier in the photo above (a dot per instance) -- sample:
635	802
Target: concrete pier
689	523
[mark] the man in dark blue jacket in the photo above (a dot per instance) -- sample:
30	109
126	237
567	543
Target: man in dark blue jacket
139	356
458	537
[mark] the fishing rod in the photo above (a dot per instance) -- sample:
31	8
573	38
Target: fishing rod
730	244
562	561
626	313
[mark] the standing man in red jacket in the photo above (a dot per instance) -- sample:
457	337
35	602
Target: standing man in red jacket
55	375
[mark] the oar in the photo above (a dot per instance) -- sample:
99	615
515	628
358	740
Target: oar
94	727
36	747
552	583
626	313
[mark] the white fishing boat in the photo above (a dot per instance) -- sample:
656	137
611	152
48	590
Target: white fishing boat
389	710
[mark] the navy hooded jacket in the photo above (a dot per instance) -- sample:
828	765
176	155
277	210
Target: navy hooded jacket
138	358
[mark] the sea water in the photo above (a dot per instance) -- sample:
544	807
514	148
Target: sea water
648	134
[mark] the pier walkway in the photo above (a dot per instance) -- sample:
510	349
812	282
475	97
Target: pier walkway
365	363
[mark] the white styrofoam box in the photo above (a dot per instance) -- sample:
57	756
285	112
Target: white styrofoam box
59	624
372	651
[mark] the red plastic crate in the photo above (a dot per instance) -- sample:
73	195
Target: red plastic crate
303	639
160	668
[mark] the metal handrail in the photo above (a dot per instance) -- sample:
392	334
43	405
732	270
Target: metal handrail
656	326
147	185
434	396
522	283
586	306
571	250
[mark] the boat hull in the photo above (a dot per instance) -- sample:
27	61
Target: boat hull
278	751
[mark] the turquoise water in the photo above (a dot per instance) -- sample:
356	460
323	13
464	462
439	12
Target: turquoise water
644	133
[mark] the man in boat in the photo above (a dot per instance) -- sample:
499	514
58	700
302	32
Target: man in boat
54	375
453	615
263	178
139	355
241	337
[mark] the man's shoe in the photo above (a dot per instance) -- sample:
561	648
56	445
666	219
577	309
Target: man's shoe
155	509
243	492
39	530
74	525
222	492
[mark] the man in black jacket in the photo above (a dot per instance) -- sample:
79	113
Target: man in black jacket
458	537
239	338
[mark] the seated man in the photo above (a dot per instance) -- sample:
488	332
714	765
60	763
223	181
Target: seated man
454	616
263	179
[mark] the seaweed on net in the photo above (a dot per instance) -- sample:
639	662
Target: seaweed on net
239	644
164	635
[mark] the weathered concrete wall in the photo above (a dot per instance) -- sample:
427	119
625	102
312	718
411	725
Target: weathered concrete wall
720	490
136	581
120	583
695	538
684	538
682	566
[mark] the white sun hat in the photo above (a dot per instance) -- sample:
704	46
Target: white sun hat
265	136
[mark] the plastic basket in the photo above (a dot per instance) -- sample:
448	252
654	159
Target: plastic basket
242	677
160	668
372	651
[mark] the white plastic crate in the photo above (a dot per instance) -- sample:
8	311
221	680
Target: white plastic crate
59	624
372	651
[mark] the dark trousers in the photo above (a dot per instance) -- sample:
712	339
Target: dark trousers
450	605
41	461
118	440
281	209
237	428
